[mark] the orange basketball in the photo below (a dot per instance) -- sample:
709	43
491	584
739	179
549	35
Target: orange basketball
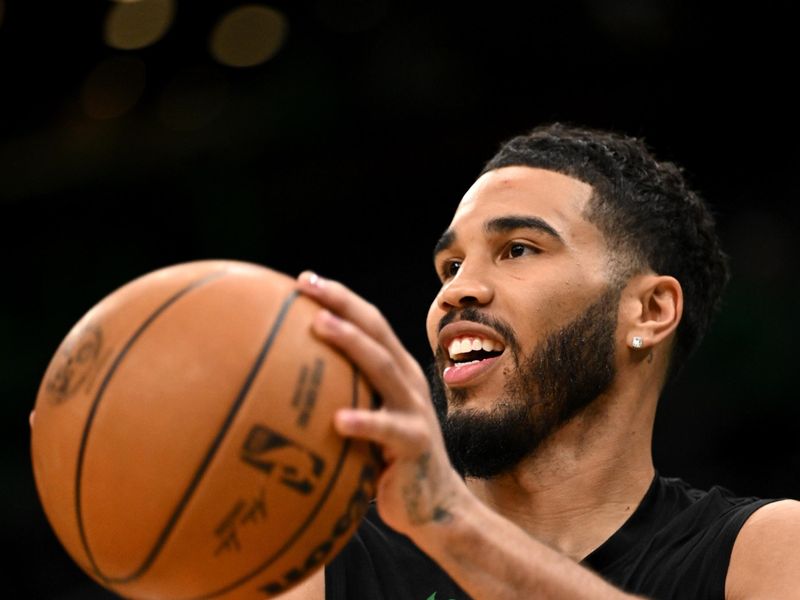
183	444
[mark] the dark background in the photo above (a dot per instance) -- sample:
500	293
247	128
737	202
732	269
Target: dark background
347	152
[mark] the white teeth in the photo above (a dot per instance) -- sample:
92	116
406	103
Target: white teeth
464	364
464	345
455	347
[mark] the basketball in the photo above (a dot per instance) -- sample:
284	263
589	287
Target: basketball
183	445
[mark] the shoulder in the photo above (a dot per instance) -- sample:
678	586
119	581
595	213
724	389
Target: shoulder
679	542
765	562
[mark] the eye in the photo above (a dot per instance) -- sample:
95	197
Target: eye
517	249
449	269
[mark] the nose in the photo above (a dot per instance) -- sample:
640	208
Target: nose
467	288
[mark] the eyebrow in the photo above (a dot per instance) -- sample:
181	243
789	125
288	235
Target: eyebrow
501	225
447	240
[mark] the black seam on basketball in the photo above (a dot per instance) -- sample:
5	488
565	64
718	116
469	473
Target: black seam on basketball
101	390
237	403
198	475
323	498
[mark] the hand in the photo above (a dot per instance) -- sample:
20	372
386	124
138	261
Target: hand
418	486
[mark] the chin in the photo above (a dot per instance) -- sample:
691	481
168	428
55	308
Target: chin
472	399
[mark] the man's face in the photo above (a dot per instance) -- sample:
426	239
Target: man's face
523	329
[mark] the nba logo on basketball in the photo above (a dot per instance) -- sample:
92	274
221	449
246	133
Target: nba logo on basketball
295	466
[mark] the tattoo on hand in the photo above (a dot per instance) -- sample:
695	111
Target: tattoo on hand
416	507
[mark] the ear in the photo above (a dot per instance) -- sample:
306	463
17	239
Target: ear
653	306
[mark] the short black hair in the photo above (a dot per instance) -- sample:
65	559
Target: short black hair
648	214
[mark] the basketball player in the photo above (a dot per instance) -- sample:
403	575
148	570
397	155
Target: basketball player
578	273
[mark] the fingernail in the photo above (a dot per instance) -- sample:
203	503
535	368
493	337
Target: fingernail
315	280
345	420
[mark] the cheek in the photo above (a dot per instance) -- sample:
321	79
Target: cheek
534	313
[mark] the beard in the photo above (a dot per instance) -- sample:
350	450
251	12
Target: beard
562	376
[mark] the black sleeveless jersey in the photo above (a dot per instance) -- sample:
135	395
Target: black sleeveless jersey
676	544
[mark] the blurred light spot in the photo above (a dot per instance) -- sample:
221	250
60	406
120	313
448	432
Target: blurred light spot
135	24
192	99
350	16
248	36
113	87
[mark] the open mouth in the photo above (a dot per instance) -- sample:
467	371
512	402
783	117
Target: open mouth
469	350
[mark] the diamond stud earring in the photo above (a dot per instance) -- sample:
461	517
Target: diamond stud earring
637	341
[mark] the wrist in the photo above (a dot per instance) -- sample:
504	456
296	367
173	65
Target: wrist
447	520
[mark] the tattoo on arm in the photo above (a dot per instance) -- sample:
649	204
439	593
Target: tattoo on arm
418	508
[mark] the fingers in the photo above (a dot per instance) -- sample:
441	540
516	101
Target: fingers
418	480
351	307
375	361
399	433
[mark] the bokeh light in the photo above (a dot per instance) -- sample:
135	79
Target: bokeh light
248	35
193	99
131	25
113	87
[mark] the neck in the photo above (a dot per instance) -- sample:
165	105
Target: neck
583	482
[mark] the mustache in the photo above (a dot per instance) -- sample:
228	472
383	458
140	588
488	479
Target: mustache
470	313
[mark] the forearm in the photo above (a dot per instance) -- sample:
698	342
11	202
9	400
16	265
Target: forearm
492	558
